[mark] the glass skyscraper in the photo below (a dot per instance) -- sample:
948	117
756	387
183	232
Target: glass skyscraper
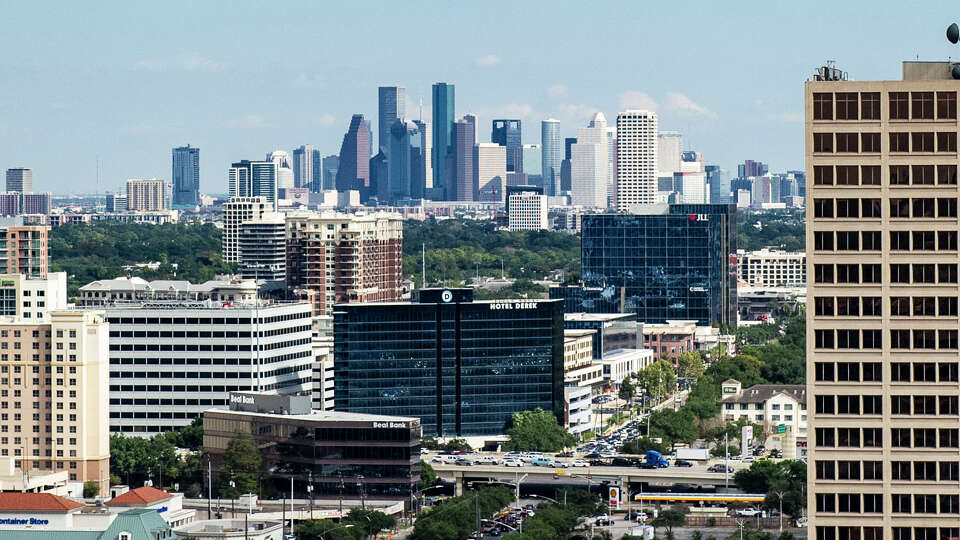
462	367
508	133
668	262
391	106
552	148
443	118
186	176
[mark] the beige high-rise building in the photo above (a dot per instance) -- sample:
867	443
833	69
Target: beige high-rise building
237	211
146	195
636	158
882	317
54	401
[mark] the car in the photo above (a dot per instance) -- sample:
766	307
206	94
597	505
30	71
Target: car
748	512
463	462
424	451
592	455
720	467
747	459
512	462
623	462
579	463
602	520
682	463
437	459
560	464
598	463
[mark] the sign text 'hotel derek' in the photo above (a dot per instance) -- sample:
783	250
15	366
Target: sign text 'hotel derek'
513	305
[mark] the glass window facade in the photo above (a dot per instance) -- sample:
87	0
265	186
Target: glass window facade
676	264
462	367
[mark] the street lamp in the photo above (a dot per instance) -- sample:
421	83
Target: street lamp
323	535
741	523
780	496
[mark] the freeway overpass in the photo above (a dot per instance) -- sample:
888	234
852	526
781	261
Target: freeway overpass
696	476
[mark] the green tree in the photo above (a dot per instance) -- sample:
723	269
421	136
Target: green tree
627	389
669	519
787	477
673	426
90	489
642	444
537	430
369	522
657	379
456	445
242	464
690	364
428	476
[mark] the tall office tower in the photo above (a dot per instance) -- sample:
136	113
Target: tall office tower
464	161
588	163
691	179
186	177
20	180
330	165
262	243
462	366
719	184
636	158
285	178
427	133
68	358
236	211
345	257
552	148
116	202
490	174
405	162
669	147
566	166
146	195
526	208
751	168
391	106
307	167
379	175
354	170
508	133
444	116
253	179
801	177
882	358
37	203
171	361
682	263
532	159
611	164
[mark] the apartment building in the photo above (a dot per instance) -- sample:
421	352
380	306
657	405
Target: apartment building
53	395
146	195
882	322
24	248
171	360
345	257
772	268
236	212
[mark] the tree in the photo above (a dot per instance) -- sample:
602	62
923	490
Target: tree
658	378
456	445
669	519
242	464
641	445
627	389
765	476
690	364
673	426
428	476
537	430
90	489
369	522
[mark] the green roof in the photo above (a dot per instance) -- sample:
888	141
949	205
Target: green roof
141	523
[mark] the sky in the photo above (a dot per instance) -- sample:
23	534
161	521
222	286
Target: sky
124	82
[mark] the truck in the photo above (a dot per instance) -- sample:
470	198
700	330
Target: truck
655	460
698	454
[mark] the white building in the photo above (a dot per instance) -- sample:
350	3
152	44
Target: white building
323	363
31	299
589	157
669	146
528	212
772	268
170	361
490	176
692	178
770	405
236	211
42	516
263	248
168	505
284	168
636	158
578	405
623	362
136	289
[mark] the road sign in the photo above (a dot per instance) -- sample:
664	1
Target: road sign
781	428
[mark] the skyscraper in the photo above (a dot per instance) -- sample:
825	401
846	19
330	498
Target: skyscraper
508	133
284	171
427	132
354	169
588	163
391	106
307	167
464	139
719	182
490	160
532	159
636	158
443	119
552	148
186	176
669	146
566	167
330	166
252	179
406	163
20	180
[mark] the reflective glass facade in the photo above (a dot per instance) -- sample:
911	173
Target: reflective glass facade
677	262
462	367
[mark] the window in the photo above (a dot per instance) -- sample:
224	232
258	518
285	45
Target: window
824	404
870	105
823	208
848	371
947	240
826	437
848	240
924	273
872	339
898	208
924	339
899	404
826	502
925	504
947	272
900	372
872	405
824	371
947	306
873	504
872	372
847	106
922	141
925	405
948	437
925	438
922	105
946	105
948	371
947	175
949	471
849	273
899	141
826	470
947	141
923	208
947	207
870	175
899	240
848	339
922	175
870	208
848	437
824	339
823	175
871	273
823	241
924	241
870	142
900	273
872	306
848	142
823	142
823	106
900	470
871	240
849	502
900	339
900	437
948	405
924	306
823	306
947	339
848	208
848	306
848	404
899	106
823	273
848	175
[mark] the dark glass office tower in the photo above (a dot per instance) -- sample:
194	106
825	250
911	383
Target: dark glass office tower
354	169
443	118
675	262
186	176
507	133
461	367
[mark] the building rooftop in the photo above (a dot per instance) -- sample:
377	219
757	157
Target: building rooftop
619	354
599	317
139	496
163	285
574	333
37	502
762	392
326	416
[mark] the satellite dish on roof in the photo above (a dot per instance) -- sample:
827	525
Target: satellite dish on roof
953	33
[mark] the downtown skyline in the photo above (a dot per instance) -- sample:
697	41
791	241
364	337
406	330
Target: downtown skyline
142	83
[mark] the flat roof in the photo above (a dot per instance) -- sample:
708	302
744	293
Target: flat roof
324	416
618	354
597	316
573	333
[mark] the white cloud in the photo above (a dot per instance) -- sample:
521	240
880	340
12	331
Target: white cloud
575	113
200	63
682	105
489	60
635	99
248	121
150	65
325	119
557	91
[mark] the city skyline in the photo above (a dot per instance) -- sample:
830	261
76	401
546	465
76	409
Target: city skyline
121	107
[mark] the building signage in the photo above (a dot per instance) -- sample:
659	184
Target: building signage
242	399
389	424
513	305
24	521
699	217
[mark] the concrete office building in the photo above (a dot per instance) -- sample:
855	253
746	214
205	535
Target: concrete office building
882	343
253	179
526	209
636	158
31	299
263	248
507	133
391	106
589	158
551	147
186	177
116	202
146	195
284	171
772	268
497	357
345	257
237	211
490	175
307	166
37	203
170	361
20	180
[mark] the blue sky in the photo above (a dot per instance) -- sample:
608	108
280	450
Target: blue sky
127	81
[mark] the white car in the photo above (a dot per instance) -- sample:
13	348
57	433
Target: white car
749	512
511	462
747	459
579	463
424	451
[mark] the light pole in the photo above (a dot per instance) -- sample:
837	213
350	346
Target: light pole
780	496
741	523
310	491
